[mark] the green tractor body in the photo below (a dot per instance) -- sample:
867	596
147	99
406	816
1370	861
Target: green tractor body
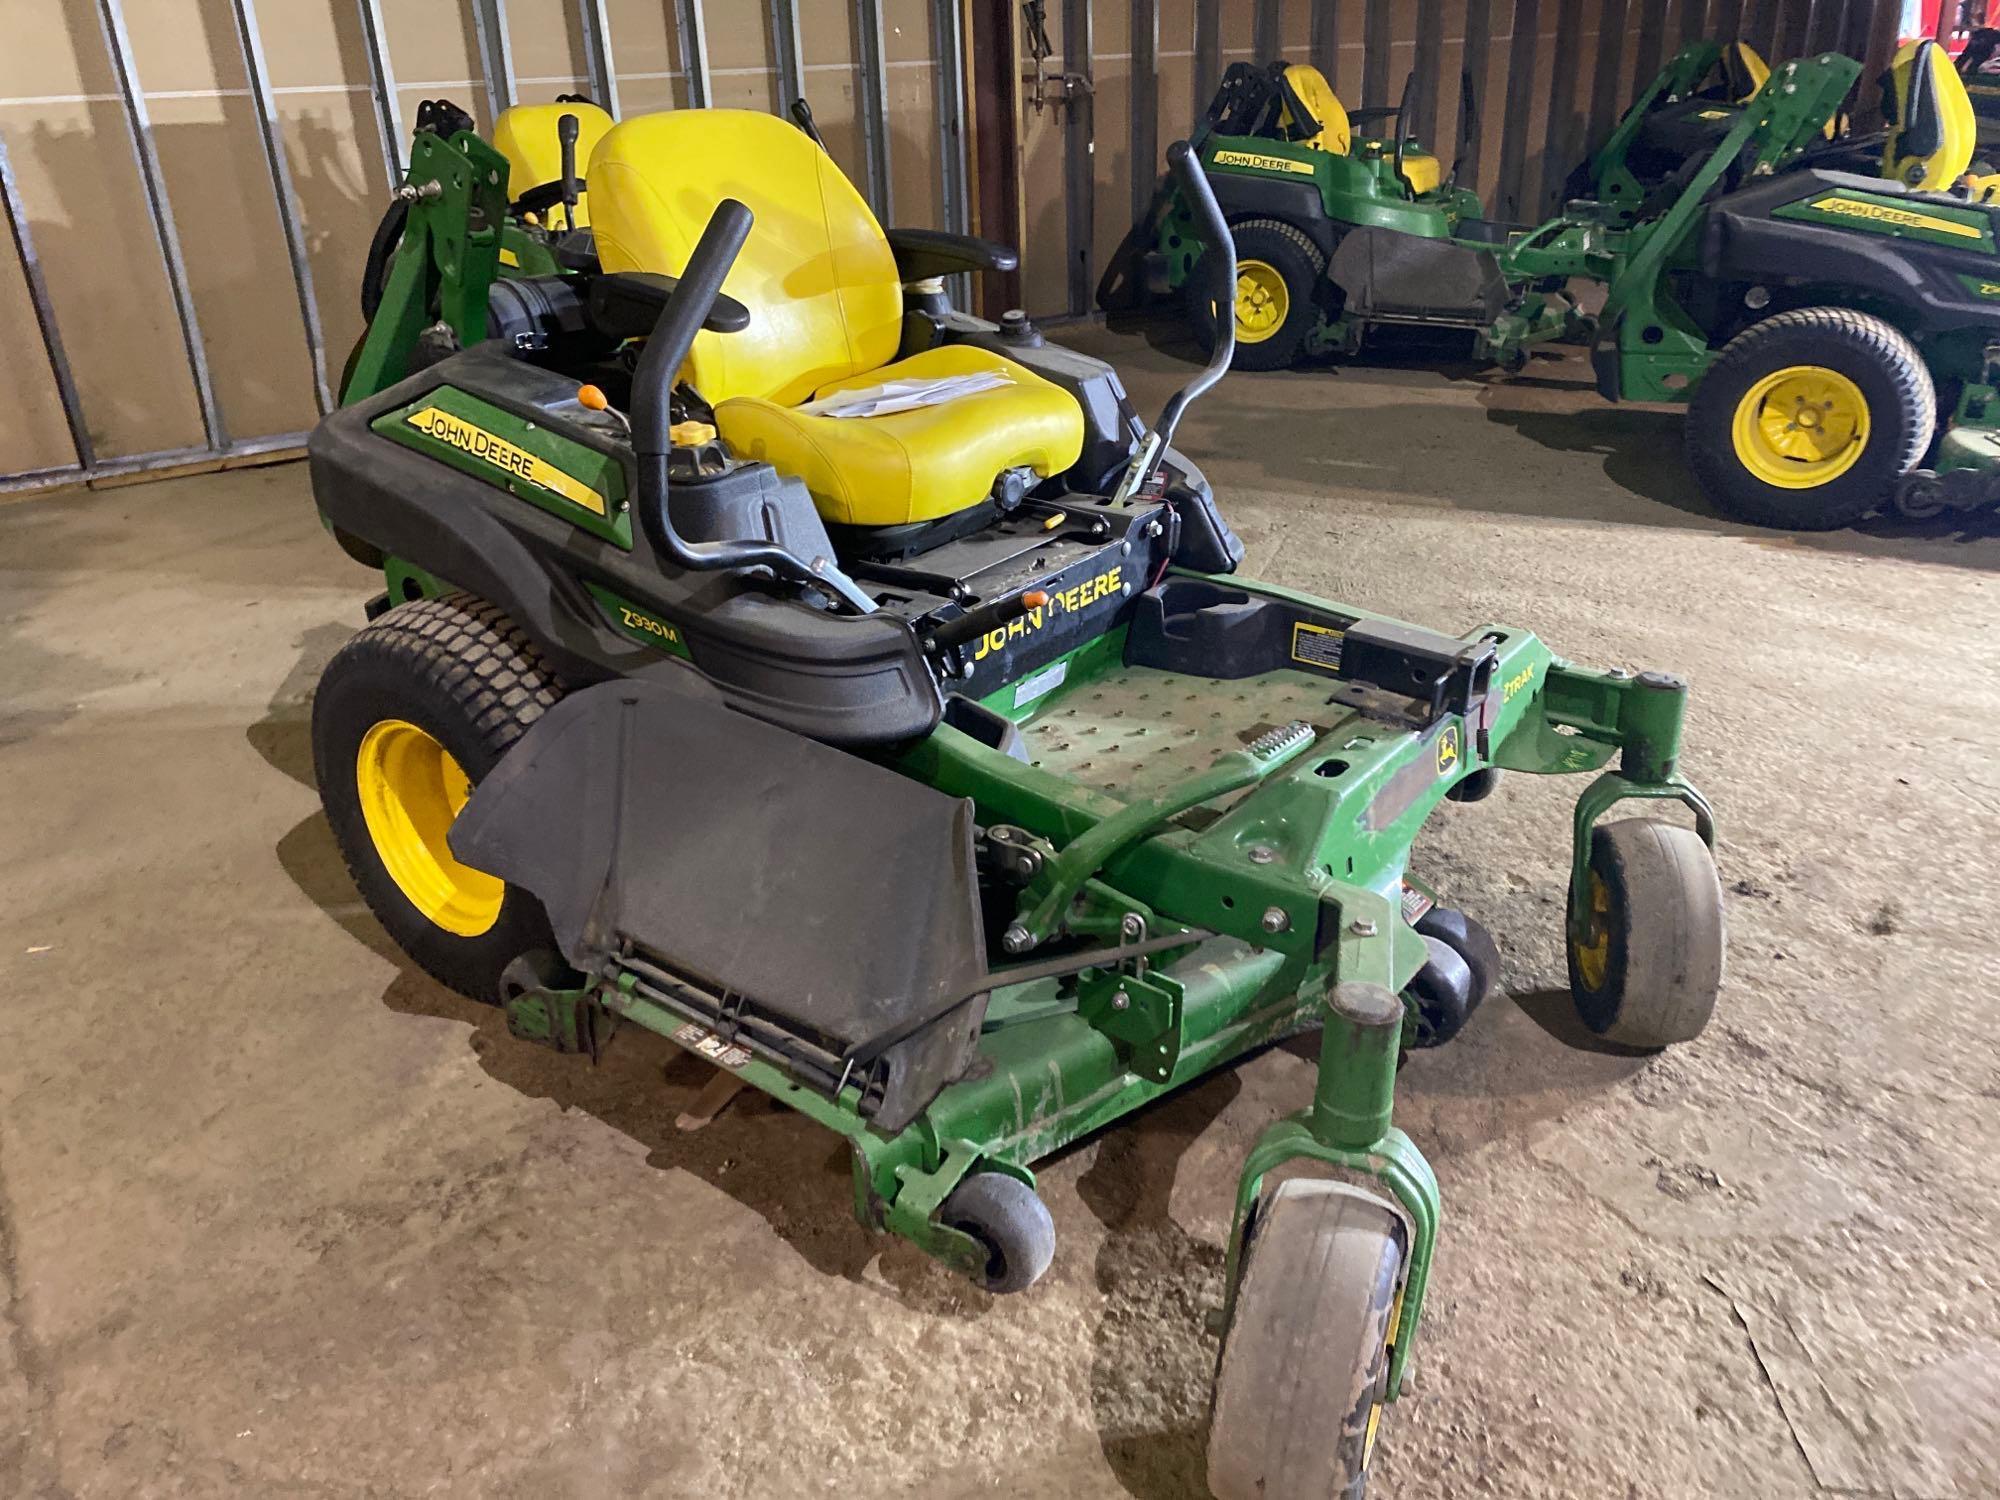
964	846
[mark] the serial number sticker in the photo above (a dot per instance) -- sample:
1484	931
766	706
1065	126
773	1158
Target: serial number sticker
701	1040
1039	685
1317	645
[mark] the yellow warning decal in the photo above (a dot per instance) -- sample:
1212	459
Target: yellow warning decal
509	258
1316	645
1899	218
1263	163
491	449
1448	750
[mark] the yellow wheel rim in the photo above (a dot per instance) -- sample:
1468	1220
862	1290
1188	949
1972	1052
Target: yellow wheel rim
411	790
1389	1352
1593	961
1261	301
1801	427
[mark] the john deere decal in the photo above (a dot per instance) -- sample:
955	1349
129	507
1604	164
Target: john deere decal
1262	163
1894	218
491	449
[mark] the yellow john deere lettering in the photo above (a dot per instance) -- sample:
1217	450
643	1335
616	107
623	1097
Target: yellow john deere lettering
1901	218
1262	162
489	448
1065	602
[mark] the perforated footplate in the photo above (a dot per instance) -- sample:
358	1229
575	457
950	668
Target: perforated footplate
1136	731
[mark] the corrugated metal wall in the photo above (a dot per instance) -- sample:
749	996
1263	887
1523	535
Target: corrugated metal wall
191	184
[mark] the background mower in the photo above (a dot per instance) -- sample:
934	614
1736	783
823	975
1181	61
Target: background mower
1336	233
929	769
1682	114
1815	320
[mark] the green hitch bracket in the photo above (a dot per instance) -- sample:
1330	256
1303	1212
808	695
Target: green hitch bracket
1048	898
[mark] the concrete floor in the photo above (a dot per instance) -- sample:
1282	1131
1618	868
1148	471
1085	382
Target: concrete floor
279	1217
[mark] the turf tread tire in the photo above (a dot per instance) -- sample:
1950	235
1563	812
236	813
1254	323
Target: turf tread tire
460	669
1877	356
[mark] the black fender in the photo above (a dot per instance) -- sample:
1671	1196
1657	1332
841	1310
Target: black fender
1298	203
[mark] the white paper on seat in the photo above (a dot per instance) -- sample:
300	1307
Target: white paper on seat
904	395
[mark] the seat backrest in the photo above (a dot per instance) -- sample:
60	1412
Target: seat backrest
816	272
528	137
1744	71
1335	134
1932	133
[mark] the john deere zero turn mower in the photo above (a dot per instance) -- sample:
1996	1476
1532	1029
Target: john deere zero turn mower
1813	319
859	695
1337	233
1682	114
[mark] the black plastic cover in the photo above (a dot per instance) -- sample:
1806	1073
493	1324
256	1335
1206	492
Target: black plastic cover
795	884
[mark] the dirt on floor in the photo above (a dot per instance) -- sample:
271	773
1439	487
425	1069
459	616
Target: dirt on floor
279	1217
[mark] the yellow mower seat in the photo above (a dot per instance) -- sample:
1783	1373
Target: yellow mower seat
1932	134
1323	104
527	136
912	465
826	315
1335	135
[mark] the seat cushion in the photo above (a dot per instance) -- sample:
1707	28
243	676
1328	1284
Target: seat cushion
1423	170
913	465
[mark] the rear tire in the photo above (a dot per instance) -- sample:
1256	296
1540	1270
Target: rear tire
1279	271
1304	1368
1766	427
410	714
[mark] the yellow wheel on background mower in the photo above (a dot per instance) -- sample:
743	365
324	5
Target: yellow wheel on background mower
1801	426
1809	419
1261	301
1276	300
410	715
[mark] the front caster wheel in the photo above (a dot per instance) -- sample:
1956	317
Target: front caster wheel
1645	961
1304	1371
1005	1216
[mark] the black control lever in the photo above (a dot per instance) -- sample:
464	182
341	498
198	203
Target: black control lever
976	622
802	115
666	351
1216	241
568	128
